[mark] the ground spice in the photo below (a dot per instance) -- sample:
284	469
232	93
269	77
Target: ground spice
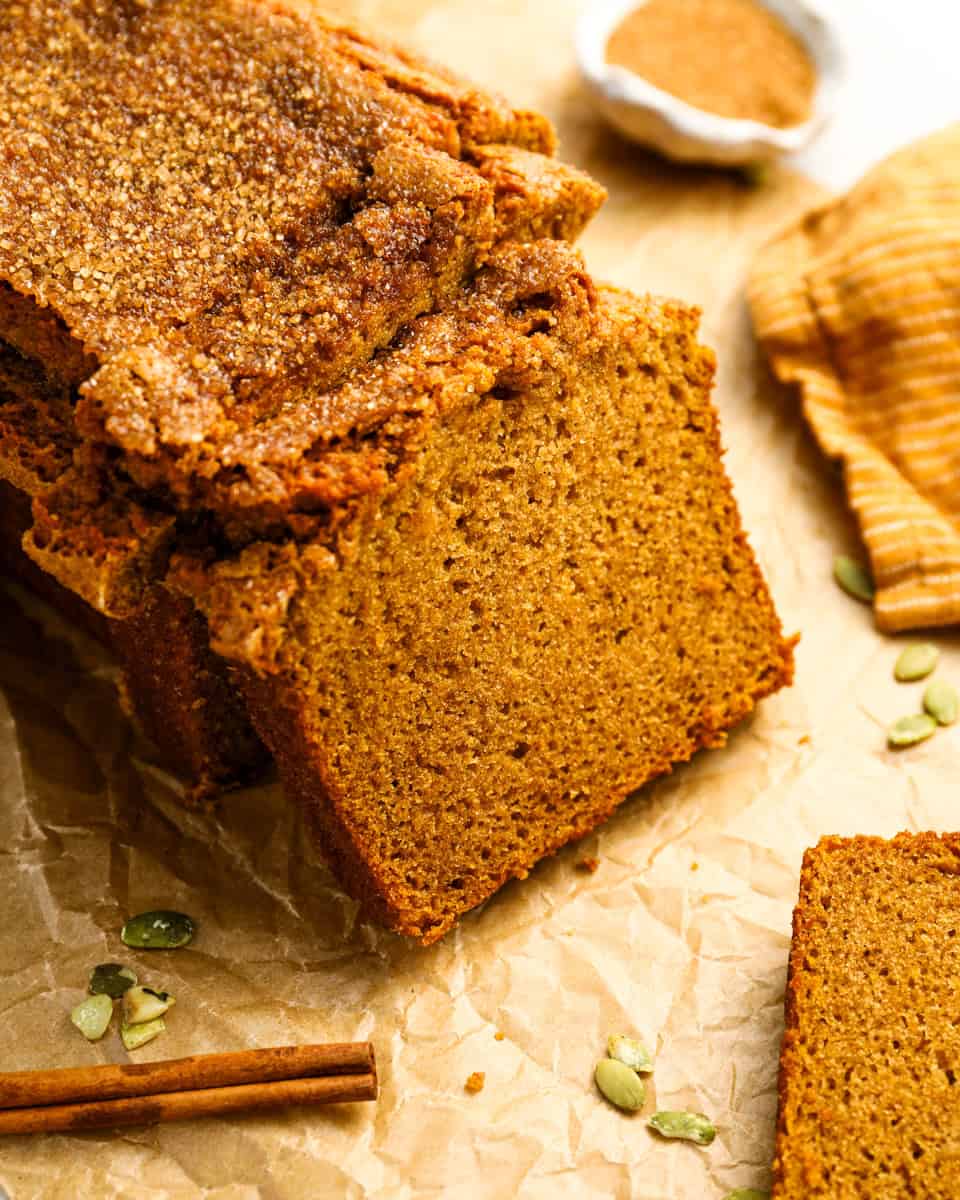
734	58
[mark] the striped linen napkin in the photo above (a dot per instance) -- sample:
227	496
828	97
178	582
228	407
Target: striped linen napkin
859	305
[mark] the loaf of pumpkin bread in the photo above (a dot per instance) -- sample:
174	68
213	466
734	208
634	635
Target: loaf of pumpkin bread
531	595
869	1095
456	520
281	186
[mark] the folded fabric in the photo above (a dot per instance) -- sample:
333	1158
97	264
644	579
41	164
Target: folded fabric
859	305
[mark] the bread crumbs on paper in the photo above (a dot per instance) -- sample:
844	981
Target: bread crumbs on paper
499	1036
475	1082
588	864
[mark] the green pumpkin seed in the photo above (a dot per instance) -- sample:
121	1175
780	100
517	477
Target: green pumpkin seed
693	1127
854	578
111	979
630	1052
92	1016
133	1036
910	730
747	1194
141	1004
620	1085
755	174
159	930
916	662
941	701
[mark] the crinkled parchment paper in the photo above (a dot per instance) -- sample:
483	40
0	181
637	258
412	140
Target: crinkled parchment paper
681	934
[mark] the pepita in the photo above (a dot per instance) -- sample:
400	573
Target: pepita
630	1052
620	1085
691	1126
910	730
111	979
755	174
92	1016
141	1004
133	1036
747	1194
941	701
160	930
916	662
854	578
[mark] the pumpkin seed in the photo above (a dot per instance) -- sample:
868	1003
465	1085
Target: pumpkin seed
755	174
111	979
133	1036
693	1127
910	730
92	1016
620	1085
142	1004
160	930
941	701
747	1194
630	1052
854	578
916	662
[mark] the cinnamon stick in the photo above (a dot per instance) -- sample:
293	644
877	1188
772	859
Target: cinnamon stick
182	1106
179	1089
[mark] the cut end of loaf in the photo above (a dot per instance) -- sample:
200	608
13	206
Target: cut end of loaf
870	1066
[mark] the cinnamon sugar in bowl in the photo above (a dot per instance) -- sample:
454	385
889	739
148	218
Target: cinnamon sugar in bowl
716	81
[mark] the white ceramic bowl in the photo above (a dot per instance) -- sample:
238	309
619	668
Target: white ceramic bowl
646	114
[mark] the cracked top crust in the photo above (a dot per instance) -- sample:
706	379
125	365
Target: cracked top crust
225	206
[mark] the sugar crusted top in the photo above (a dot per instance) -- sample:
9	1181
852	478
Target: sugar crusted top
227	203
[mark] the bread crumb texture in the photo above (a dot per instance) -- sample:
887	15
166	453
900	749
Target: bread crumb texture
869	1095
475	1082
505	640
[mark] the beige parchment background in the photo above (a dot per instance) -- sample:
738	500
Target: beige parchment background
681	935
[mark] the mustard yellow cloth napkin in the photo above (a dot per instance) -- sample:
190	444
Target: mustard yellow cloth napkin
859	305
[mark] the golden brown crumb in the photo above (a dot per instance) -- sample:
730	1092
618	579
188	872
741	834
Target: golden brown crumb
540	528
475	1082
871	1049
694	866
498	1036
709	585
588	864
805	740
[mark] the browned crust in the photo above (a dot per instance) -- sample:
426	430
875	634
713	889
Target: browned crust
175	688
535	196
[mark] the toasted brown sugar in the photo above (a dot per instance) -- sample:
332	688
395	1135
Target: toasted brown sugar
218	208
504	639
869	1071
734	58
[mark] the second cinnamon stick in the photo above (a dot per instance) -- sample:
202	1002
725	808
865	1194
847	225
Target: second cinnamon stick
180	1106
